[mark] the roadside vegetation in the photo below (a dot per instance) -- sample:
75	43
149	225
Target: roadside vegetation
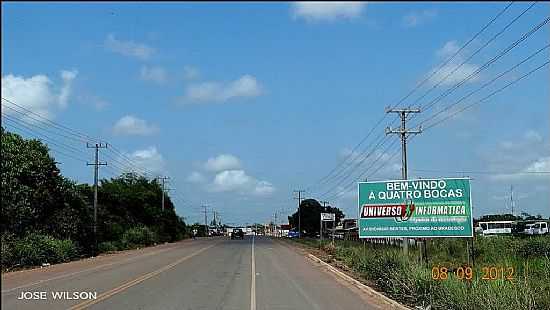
411	282
47	218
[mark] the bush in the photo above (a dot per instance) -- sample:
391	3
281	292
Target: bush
410	282
35	249
8	250
107	247
138	236
535	247
64	250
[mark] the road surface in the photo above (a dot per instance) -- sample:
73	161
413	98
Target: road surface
217	273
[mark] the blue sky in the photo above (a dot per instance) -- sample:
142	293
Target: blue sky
240	103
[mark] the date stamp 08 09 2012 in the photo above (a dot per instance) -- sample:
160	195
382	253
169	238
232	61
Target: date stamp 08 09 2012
490	273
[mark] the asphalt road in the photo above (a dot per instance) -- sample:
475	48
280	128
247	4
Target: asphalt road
254	273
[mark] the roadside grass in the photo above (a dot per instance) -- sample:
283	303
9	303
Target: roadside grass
35	249
410	281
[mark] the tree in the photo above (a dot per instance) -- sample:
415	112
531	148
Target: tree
131	200
311	210
35	197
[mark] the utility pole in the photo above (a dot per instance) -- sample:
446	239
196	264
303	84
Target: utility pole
512	198
205	221
163	179
322	223
299	213
276	230
96	165
403	132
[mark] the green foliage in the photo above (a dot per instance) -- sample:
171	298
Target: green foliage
538	246
107	247
410	282
31	184
137	236
35	249
310	213
8	249
46	217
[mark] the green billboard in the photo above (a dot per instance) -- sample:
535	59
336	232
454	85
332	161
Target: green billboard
424	208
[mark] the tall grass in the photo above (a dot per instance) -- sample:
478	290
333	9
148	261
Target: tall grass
409	280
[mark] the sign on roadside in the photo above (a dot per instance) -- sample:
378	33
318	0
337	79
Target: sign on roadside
328	217
425	208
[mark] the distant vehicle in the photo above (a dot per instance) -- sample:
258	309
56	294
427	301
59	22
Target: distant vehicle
538	228
496	228
237	234
293	234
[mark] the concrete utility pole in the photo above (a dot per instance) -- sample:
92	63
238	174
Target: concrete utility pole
299	191
403	132
322	223
512	198
276	230
96	165
163	179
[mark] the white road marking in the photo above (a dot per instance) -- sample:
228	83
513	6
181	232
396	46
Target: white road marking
253	281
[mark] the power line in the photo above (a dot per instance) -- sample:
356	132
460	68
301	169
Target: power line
488	63
488	96
54	128
358	164
365	173
16	123
474	54
328	177
486	84
480	172
85	137
512	46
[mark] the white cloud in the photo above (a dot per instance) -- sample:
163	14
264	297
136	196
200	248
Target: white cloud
128	48
327	11
222	162
131	125
38	93
533	136
232	180
94	101
147	159
448	49
245	87
540	165
196	177
416	18
190	72
239	181
347	154
155	74
519	158
263	188
68	78
455	71
228	176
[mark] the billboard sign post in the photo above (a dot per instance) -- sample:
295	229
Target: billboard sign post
326	217
422	208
